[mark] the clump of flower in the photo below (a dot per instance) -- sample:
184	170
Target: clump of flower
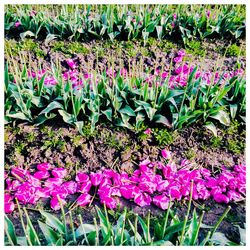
152	183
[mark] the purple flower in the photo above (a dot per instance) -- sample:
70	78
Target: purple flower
9	207
166	154
161	201
55	205
44	166
142	199
208	13
221	198
42	175
109	202
71	63
70	186
82	177
84	199
96	178
85	187
17	24
59	172
172	25
148	131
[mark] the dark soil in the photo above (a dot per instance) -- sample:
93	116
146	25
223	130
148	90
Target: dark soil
132	55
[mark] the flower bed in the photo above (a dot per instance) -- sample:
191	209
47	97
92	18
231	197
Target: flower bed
153	183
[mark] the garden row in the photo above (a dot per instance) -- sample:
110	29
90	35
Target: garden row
127	22
181	96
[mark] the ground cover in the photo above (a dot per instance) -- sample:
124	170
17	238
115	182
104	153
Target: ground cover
161	115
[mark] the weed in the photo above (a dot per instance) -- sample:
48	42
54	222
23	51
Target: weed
70	48
164	137
195	48
216	142
19	147
190	154
234	50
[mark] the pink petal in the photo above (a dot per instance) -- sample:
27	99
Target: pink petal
84	199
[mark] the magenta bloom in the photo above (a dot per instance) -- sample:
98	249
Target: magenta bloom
70	186
59	172
19	172
71	63
181	53
166	154
161	201
82	177
55	205
148	131
208	13
17	24
84	199
85	187
44	166
142	199
178	59
96	178
109	202
42	175
175	16
221	198
172	25
9	207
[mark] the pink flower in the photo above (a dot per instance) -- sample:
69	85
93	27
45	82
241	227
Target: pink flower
59	172
181	53
9	207
17	24
178	59
71	63
96	178
148	131
233	195
147	186
161	201
208	13
175	193
82	177
164	75
84	199
174	16
44	166
55	205
109	202
42	175
70	186
142	199
19	172
85	187
221	198
166	154
162	185
172	25
52	182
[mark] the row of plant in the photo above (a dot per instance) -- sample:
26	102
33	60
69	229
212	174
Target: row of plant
127	22
181	96
120	229
153	183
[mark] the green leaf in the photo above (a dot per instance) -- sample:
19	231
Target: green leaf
27	33
59	242
84	229
144	228
49	233
53	221
177	227
51	106
127	110
163	120
222	117
19	115
108	113
233	110
68	118
10	231
211	127
43	118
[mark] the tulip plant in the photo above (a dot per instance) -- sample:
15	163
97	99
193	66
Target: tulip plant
181	96
127	22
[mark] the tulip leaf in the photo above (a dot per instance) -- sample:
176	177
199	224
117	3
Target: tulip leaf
10	231
53	221
49	233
